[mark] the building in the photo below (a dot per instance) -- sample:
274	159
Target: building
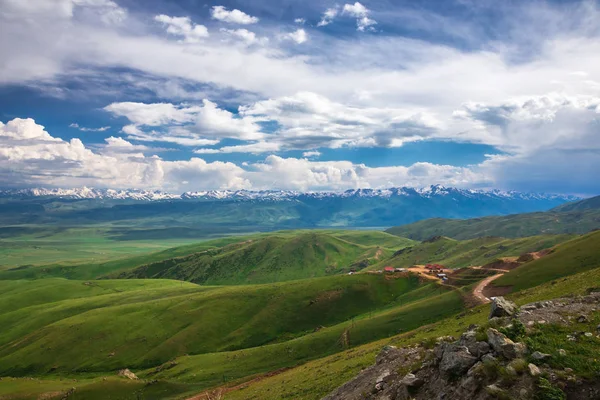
400	269
389	269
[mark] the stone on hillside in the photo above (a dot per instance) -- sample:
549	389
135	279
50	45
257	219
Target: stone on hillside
598	328
582	319
128	374
502	308
411	380
562	352
456	359
534	370
504	346
478	349
387	354
540	356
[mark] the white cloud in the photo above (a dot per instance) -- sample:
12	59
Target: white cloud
245	36
107	11
185	124
37	158
183	27
328	16
308	120
300	21
254	148
84	129
299	36
363	22
310	154
233	17
356	10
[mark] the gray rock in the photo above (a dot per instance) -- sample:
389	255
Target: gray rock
411	380
387	354
504	346
588	334
126	373
488	358
562	352
456	360
478	349
540	356
534	370
598	328
582	319
502	308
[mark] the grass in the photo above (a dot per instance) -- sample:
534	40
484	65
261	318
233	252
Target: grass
273	258
165	319
510	226
459	254
88	269
577	255
36	246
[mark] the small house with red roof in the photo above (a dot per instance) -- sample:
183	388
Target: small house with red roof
389	270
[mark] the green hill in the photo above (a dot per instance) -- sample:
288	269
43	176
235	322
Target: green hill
458	254
575	256
92	270
511	226
273	258
72	326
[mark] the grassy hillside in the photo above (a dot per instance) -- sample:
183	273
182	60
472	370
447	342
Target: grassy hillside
317	378
84	269
273	258
458	254
578	255
67	326
511	226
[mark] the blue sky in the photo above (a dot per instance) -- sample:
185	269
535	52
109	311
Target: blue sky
304	95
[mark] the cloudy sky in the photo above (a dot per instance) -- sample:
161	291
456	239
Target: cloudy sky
185	95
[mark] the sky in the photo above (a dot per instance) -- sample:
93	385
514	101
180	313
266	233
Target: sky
188	95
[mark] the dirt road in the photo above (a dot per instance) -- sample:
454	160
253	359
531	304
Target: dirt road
478	291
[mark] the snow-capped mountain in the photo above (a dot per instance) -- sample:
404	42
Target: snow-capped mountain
283	195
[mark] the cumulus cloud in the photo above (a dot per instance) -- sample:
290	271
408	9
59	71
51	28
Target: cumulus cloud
245	36
328	16
310	154
300	21
185	124
85	129
308	120
183	27
299	36
33	157
363	22
108	11
232	16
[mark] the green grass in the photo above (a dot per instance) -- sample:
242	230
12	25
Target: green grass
164	319
510	226
273	258
459	254
317	378
577	255
73	268
33	246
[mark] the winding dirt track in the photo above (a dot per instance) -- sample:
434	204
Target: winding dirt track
478	291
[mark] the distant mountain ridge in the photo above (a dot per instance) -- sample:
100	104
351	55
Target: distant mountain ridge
280	195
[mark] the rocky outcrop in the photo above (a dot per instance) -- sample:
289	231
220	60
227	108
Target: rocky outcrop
481	364
502	308
126	373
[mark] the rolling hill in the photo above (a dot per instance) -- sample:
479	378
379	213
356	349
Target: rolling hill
59	326
575	256
345	244
458	254
572	218
273	258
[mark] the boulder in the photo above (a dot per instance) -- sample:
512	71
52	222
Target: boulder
504	346
456	360
126	373
562	352
582	319
534	370
387	354
540	356
411	380
502	308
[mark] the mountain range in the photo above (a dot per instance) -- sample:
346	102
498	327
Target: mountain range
275	195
